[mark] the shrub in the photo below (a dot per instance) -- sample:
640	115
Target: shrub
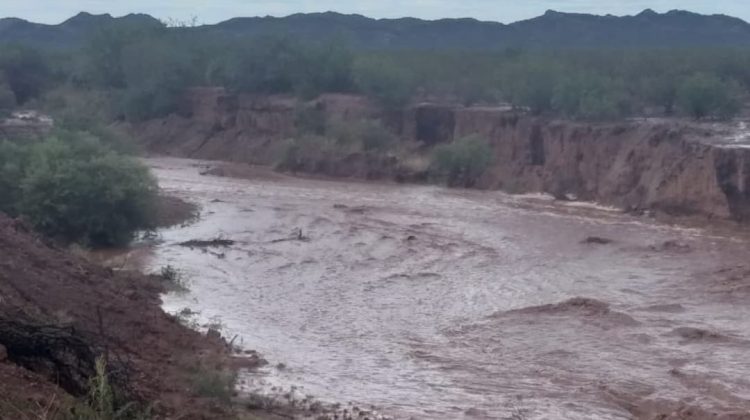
462	162
704	95
102	402
26	72
367	135
307	148
13	160
590	97
391	85
174	278
309	120
216	384
532	85
77	190
7	99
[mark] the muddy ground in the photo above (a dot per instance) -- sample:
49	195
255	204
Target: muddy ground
58	310
430	303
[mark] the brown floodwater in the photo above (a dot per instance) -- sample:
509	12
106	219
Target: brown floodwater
436	303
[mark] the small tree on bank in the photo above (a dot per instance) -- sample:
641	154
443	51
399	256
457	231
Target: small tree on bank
462	162
73	188
702	95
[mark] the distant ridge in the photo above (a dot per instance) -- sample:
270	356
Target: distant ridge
675	28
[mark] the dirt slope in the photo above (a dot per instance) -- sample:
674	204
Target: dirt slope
150	353
675	167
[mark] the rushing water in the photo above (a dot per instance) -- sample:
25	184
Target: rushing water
430	303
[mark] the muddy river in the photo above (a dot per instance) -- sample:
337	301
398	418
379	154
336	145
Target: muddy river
432	303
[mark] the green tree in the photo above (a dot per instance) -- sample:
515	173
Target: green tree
7	99
13	160
462	162
77	190
25	71
387	82
156	73
104	61
589	96
703	95
532	84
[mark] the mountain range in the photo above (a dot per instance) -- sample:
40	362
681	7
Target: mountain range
552	30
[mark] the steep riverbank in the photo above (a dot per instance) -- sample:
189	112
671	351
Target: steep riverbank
59	313
673	167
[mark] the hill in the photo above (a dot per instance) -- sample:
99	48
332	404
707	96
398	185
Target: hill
551	30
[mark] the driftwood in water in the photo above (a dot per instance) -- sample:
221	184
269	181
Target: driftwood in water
218	242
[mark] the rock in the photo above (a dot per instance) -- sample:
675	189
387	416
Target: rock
213	334
596	240
3	354
672	246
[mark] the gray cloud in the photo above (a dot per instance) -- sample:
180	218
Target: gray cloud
211	11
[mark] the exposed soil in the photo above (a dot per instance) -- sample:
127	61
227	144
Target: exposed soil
670	167
117	314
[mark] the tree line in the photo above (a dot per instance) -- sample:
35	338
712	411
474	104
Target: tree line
144	69
78	184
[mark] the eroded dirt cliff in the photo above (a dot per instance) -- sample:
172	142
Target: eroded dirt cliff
58	312
671	166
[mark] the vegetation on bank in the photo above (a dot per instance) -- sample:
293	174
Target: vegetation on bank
73	187
462	162
78	185
138	72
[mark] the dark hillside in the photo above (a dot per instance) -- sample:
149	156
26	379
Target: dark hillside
553	29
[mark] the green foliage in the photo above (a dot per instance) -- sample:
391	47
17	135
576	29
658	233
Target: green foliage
13	162
72	187
139	71
532	85
104	57
156	73
462	162
366	135
148	67
590	97
102	403
7	99
310	120
174	278
25	71
383	79
216	384
306	148
702	95
275	65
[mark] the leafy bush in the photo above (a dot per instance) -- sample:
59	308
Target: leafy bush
366	135
73	188
590	97
25	71
174	278
384	80
462	162
702	95
310	120
13	161
7	99
216	384
274	65
306	148
103	402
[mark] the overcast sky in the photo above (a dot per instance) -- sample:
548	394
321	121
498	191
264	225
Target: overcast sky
212	11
